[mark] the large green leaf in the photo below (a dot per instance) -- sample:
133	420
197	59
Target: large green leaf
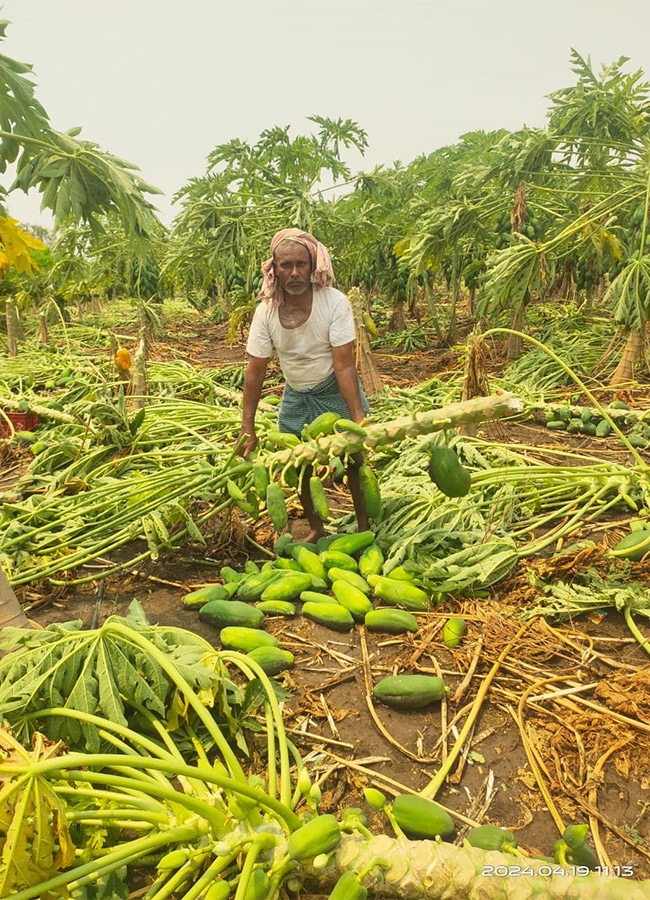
75	177
100	672
630	293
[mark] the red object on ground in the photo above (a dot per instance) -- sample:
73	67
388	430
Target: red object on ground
22	421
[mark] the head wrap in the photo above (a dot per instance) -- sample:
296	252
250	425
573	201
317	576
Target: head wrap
322	274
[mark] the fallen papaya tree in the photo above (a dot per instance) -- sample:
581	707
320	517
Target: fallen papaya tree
169	791
89	498
348	440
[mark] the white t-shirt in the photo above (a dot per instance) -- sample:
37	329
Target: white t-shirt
305	352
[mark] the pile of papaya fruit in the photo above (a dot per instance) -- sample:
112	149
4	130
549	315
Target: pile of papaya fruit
337	582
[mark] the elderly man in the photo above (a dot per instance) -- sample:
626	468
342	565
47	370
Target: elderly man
311	327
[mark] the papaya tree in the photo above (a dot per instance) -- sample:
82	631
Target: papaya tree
165	772
451	221
249	192
603	130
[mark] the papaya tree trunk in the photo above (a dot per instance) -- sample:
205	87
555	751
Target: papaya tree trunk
455	293
430	870
397	322
365	361
146	327
475	380
13	334
42	329
414	304
631	353
43	412
517	324
433	312
472	300
20	331
139	376
379	434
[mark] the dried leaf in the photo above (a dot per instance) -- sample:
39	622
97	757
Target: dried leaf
34	838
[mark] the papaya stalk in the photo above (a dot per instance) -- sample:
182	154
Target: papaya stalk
433	870
583	387
43	412
378	434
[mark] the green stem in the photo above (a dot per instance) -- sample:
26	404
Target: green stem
247	870
376	861
101	760
253	669
105	815
544	542
206	879
92	870
390	815
583	387
145	803
122	745
176	678
631	624
27	139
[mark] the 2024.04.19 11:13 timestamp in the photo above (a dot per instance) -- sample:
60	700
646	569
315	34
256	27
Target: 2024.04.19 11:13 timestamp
548	870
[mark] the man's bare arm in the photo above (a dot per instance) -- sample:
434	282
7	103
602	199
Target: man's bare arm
348	381
253	382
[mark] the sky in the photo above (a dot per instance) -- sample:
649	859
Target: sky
162	82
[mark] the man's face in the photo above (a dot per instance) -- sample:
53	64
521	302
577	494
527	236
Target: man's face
293	265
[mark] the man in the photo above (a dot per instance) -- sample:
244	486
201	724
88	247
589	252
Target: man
311	327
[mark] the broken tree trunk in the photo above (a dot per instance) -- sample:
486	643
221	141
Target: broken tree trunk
43	412
139	377
42	329
365	361
366	365
475	381
515	343
146	327
631	353
437	870
322	449
397	321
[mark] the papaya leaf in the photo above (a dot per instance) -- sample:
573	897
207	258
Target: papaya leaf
104	672
479	565
34	839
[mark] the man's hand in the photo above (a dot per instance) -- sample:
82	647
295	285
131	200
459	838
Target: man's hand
254	379
249	444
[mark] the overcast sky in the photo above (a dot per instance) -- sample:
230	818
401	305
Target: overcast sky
161	82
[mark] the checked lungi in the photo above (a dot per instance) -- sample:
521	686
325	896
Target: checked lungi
300	408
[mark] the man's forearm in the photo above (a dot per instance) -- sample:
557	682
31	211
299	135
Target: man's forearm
251	398
348	382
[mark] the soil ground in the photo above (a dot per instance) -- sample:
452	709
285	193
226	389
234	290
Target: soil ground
590	762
